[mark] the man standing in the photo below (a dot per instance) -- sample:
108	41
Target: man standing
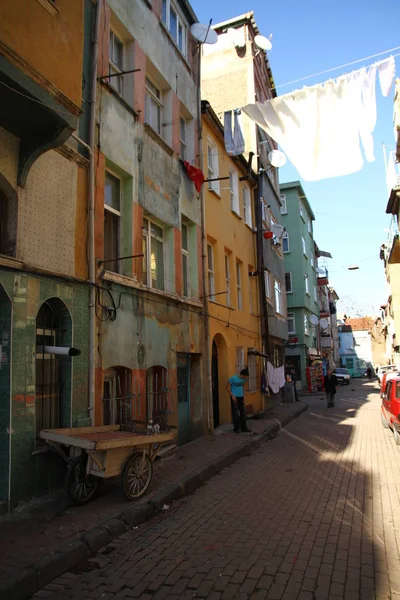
235	388
330	385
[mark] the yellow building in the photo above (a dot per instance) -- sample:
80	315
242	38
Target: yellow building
232	296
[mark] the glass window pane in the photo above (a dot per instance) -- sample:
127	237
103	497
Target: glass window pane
112	191
157	264
111	240
145	258
180	37
173	23
184	237
164	12
185	275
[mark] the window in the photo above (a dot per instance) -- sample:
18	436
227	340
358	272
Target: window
116	62
310	227
312	260
112	219
301	210
175	25
304	246
228	280
251	287
307	284
183	138
267	278
306	329
315	295
291	323
251	365
239	285
213	170
153	107
288	283
278	297
284	205
248	217
285	243
210	271
153	255
239	358
234	191
185	259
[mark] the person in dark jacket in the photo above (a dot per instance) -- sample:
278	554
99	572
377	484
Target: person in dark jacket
330	385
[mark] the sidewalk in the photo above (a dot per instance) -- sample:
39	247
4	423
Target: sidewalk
38	546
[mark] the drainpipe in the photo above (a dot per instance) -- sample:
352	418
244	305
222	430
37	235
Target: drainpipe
92	264
210	416
260	265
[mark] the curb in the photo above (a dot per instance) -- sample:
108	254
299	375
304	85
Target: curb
38	575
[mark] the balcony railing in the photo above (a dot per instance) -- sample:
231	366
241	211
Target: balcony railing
326	342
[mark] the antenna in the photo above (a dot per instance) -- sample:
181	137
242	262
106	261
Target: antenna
324	324
203	34
263	43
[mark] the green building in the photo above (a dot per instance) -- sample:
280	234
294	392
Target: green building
300	279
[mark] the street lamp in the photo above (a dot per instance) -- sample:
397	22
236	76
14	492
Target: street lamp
353	268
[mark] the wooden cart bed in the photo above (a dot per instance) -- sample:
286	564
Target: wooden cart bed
103	438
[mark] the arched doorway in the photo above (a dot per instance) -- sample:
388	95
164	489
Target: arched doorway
53	372
5	383
214	382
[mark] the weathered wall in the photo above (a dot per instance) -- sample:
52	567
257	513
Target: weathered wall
47	42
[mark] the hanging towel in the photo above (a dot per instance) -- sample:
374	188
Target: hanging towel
280	375
368	116
272	379
228	136
386	71
238	139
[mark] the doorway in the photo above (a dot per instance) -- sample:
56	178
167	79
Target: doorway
183	395
5	383
214	382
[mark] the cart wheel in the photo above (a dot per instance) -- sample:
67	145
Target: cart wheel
81	487
137	476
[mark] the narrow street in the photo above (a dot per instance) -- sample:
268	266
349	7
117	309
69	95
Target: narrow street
310	515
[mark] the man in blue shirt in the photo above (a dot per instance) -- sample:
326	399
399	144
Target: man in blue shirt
235	388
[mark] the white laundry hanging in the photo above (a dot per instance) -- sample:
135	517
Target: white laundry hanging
320	127
228	135
234	139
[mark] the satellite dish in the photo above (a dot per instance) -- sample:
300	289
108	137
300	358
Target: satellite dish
262	42
276	158
203	33
324	324
277	230
236	37
313	319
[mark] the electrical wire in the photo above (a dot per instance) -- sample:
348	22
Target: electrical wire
349	64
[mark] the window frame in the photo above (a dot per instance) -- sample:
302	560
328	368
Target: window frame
291	318
116	213
279	307
180	23
185	254
239	291
113	67
228	280
285	236
284	204
151	96
289	291
247	207
148	236
183	140
268	288
234	191
307	284
213	167
306	325
211	271
301	210
304	245
309	227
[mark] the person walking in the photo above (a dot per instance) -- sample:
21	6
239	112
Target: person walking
330	385
369	372
235	388
294	379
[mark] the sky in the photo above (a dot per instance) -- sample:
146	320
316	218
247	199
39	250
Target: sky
308	37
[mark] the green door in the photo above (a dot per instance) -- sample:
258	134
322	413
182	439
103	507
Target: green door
183	393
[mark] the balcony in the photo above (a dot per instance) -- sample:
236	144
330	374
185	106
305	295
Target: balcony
326	342
322	276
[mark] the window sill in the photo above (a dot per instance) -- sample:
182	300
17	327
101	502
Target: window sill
133	283
217	194
236	214
291	292
157	138
10	261
175	46
286	252
120	98
250	226
50	7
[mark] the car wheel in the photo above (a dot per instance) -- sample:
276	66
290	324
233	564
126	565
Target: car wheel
384	421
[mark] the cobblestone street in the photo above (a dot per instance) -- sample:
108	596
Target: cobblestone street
311	514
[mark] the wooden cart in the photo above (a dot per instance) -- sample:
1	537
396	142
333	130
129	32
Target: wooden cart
97	453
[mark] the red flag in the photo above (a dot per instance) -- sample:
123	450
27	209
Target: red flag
195	175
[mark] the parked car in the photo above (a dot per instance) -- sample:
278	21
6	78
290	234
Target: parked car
390	407
342	375
384	369
387	376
